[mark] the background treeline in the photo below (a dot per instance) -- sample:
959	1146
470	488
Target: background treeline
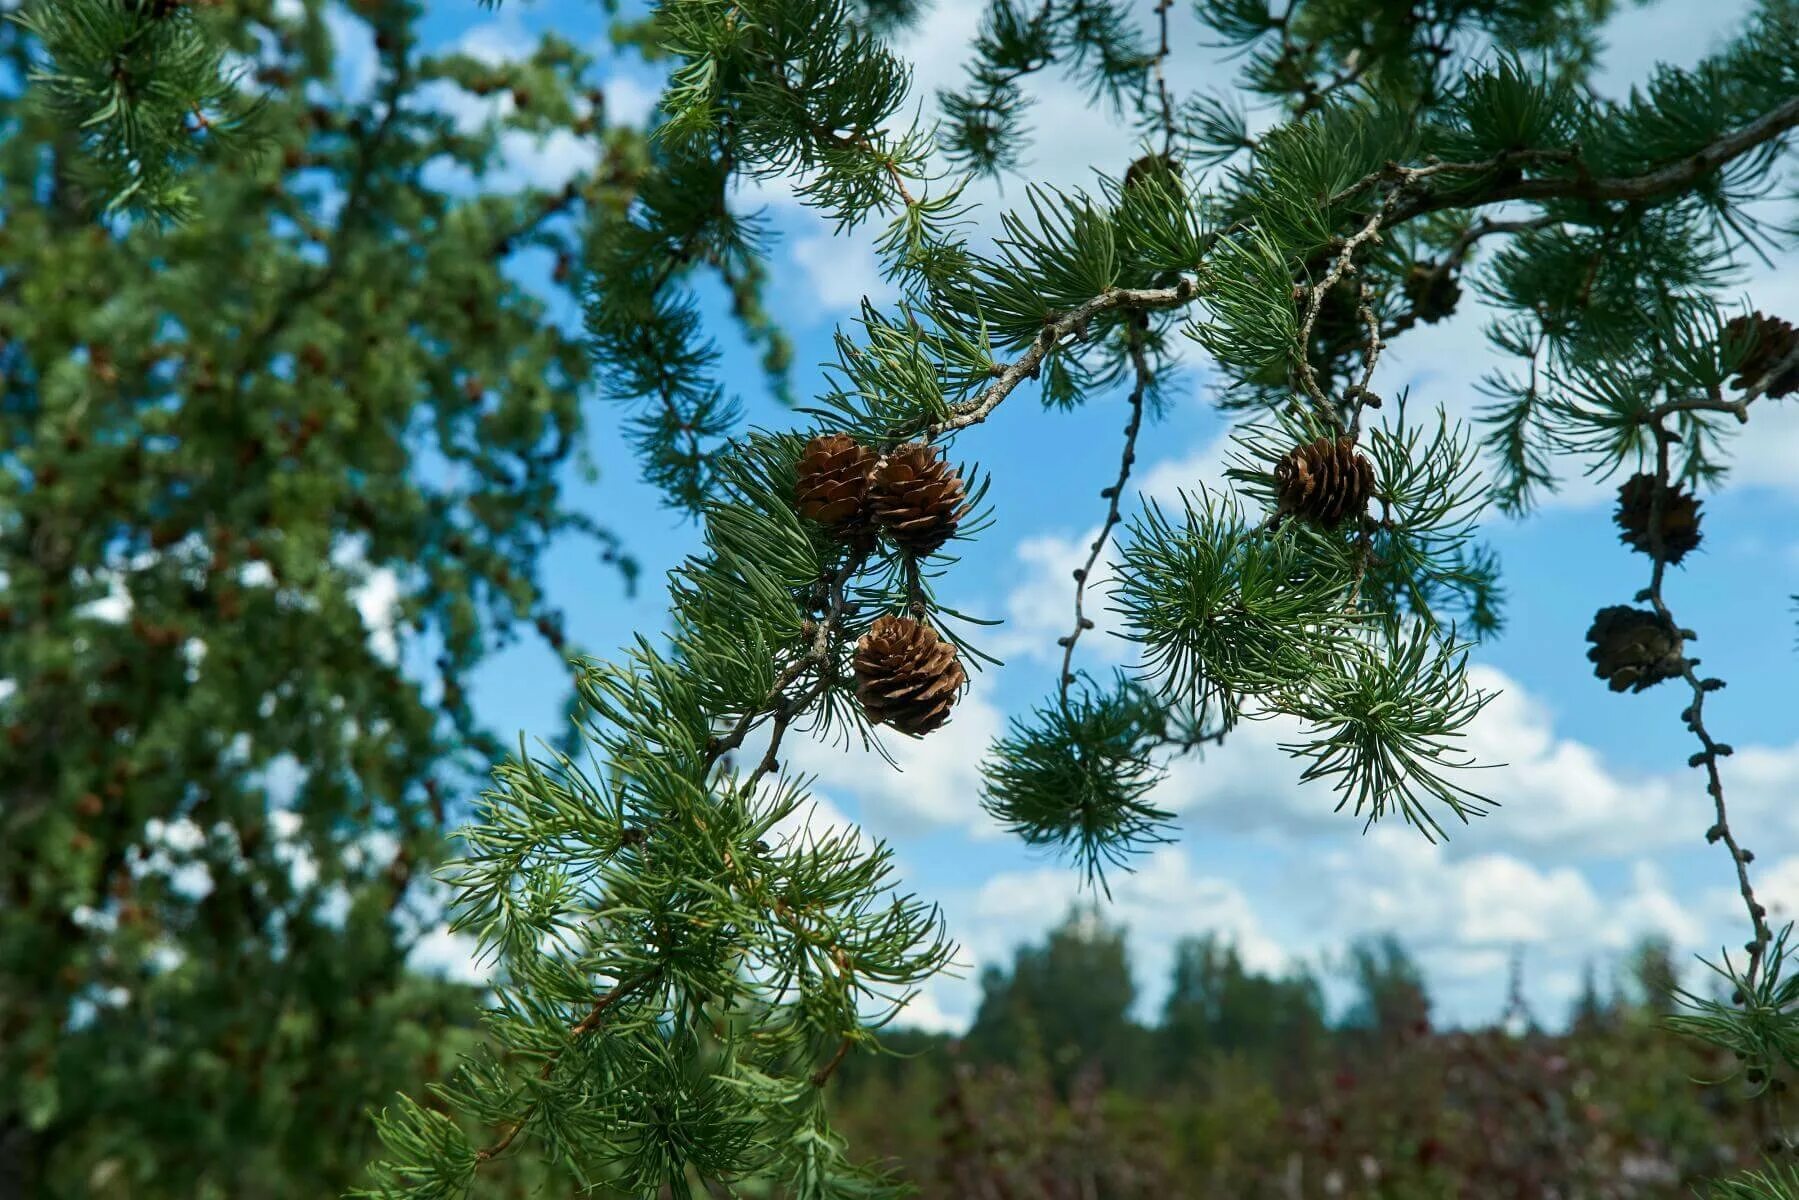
1252	1085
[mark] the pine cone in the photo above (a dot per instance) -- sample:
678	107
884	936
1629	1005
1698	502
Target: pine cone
917	498
1773	340
1324	481
833	482
906	676
1162	168
1633	648
1431	292
1679	524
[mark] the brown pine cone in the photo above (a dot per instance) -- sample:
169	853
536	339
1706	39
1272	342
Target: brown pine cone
1679	523
917	498
1633	648
1324	481
833	482
1774	340
1161	168
907	676
1431	293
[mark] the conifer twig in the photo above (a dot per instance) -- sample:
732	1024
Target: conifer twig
1113	495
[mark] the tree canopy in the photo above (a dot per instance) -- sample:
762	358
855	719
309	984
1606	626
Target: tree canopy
679	973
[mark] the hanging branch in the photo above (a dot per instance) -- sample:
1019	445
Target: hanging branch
1113	497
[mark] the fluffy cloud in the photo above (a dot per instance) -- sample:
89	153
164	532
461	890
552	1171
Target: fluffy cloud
524	159
1040	608
1557	798
934	782
1164	899
358	62
840	271
450	955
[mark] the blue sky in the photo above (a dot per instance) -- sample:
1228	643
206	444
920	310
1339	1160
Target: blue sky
1599	835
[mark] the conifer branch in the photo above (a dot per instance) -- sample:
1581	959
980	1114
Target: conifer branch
1258	614
1164	98
1694	715
1071	323
1654	184
1340	266
1114	497
586	1025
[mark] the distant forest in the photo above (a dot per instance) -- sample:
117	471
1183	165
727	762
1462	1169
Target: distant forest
1248	1086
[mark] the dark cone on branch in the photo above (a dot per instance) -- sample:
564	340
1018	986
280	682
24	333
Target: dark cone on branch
1679	520
906	676
1772	341
1324	481
1432	292
832	487
917	498
1162	169
1633	648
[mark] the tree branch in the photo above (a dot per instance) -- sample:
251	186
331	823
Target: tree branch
1008	377
1113	495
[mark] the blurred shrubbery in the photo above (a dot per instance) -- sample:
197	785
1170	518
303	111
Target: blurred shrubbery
1246	1088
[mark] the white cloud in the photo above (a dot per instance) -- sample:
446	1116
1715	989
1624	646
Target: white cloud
1040	607
1777	886
1165	481
1557	797
525	159
497	43
358	62
629	102
816	818
841	270
451	955
925	1011
937	782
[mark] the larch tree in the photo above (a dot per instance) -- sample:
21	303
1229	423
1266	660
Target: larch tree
285	442
678	974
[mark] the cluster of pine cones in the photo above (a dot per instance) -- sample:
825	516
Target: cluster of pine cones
911	495
907	675
1636	648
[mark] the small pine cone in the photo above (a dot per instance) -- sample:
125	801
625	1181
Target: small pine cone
833	482
1679	523
917	498
906	676
1324	481
1633	648
1774	340
1432	293
1160	168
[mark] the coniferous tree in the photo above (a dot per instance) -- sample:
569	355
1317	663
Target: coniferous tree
1216	1006
1069	999
678	986
1390	1000
278	475
1654	977
1591	1012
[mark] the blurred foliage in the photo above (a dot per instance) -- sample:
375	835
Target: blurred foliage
1245	1087
273	481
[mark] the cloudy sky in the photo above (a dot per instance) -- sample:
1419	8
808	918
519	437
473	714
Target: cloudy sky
1598	837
